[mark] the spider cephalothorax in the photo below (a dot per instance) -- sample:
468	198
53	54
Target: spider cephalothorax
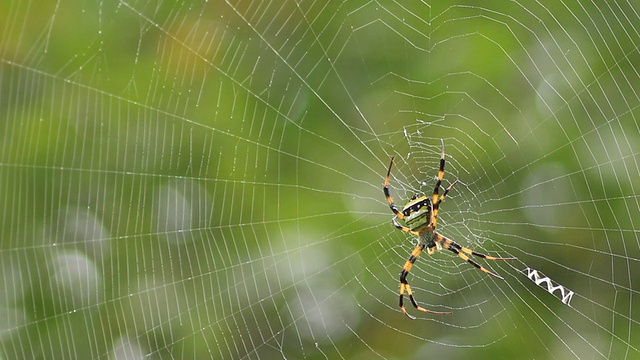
420	215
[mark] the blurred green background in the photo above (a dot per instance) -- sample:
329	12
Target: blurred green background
203	179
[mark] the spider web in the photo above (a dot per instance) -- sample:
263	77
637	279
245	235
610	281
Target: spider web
203	179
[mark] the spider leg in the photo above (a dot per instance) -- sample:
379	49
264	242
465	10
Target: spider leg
404	285
387	194
403	228
440	176
461	251
436	197
436	206
446	191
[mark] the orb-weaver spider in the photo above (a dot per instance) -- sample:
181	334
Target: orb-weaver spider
420	215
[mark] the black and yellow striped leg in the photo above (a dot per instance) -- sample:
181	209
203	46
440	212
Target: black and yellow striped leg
436	198
436	189
462	252
387	194
436	206
404	285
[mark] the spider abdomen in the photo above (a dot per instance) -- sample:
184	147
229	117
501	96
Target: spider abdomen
417	213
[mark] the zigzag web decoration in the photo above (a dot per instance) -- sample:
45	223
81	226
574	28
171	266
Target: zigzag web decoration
540	279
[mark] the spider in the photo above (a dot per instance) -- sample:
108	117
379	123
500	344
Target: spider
420	215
